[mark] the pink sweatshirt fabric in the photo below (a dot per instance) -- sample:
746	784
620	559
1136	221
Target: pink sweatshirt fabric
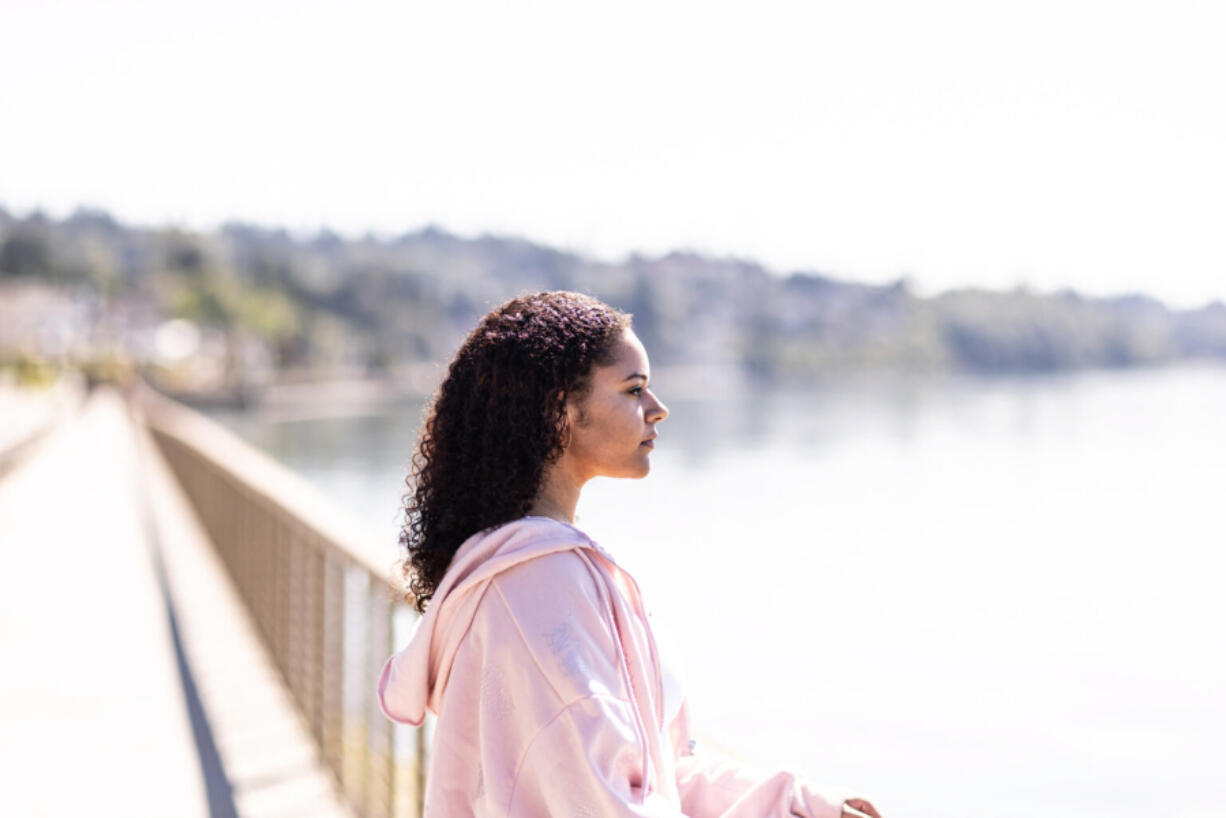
538	660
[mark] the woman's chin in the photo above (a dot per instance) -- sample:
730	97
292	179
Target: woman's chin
633	470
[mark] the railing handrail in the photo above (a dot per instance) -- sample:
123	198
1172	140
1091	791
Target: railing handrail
263	476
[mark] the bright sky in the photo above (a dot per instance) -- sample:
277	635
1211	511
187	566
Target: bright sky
1048	143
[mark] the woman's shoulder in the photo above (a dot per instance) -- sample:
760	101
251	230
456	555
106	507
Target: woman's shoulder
555	604
565	581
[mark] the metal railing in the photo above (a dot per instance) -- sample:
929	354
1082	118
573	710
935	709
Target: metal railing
328	612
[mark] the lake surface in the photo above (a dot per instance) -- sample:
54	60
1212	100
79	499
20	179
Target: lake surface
957	596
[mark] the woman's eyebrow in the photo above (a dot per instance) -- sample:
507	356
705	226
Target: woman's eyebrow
634	375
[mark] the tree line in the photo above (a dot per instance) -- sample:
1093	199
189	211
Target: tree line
323	300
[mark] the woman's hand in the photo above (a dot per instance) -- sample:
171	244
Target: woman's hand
858	807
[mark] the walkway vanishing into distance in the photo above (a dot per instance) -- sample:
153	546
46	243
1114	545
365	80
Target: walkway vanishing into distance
153	670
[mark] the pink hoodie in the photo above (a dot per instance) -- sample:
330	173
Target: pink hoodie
538	660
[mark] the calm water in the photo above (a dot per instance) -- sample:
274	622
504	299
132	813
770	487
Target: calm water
958	596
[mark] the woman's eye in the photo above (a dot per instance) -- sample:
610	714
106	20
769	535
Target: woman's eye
638	390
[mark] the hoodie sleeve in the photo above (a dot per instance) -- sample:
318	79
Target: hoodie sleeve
587	756
586	762
713	786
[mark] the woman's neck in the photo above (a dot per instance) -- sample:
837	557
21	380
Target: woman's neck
558	496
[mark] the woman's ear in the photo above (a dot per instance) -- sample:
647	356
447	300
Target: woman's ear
575	415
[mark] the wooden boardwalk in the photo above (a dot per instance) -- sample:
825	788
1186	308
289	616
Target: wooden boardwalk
134	683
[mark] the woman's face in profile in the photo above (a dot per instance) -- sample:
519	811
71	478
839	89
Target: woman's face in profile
612	425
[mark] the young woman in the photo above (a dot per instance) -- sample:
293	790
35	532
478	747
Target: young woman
535	651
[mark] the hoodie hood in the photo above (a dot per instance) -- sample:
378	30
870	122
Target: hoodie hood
414	678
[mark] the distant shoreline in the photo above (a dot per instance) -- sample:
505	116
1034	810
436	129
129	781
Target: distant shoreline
347	397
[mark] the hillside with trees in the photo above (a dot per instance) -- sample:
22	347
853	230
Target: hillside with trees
262	305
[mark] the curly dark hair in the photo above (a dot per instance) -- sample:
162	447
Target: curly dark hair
496	422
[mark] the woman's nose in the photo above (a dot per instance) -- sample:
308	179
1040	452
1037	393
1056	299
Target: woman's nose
661	411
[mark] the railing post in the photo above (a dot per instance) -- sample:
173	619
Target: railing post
419	794
278	600
332	665
294	642
315	640
381	738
